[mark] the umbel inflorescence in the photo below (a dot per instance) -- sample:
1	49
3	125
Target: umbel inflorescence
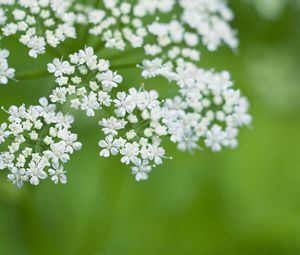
206	110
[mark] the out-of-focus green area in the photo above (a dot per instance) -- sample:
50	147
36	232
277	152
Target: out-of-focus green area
238	202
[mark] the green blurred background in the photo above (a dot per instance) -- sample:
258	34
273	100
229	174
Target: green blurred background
237	202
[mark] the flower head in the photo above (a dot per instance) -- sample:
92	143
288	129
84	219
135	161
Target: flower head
165	38
40	144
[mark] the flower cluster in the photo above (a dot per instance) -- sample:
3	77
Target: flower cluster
116	25
135	131
85	79
5	71
207	108
210	20
40	143
39	23
122	21
165	37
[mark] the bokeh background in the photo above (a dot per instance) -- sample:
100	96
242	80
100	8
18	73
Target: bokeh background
238	202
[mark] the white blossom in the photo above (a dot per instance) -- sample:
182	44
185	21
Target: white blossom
53	28
41	143
205	109
141	109
90	92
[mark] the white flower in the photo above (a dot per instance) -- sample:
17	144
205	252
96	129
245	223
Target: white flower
129	152
109	80
141	169
214	138
112	125
90	104
17	176
47	108
37	46
35	173
156	153
59	152
152	68
123	104
109	146
59	67
87	56
57	174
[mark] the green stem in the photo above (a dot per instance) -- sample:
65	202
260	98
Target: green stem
32	75
124	66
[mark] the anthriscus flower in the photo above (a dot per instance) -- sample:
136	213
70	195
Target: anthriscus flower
39	143
166	38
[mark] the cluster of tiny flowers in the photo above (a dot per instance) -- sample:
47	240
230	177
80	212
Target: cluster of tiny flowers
6	72
39	23
167	35
135	131
116	25
210	19
123	21
85	80
39	144
207	109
